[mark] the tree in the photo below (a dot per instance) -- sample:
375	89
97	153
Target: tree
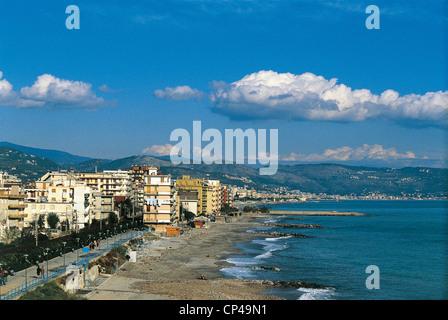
113	219
264	209
189	215
53	220
9	235
41	221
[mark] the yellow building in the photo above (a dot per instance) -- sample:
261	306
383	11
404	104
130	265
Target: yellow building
202	187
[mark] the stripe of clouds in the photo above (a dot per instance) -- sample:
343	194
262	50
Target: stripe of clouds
286	96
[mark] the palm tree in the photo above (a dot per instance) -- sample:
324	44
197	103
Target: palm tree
9	235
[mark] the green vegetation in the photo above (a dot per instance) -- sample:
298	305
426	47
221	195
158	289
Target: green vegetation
262	209
116	256
50	291
11	255
228	209
52	220
24	166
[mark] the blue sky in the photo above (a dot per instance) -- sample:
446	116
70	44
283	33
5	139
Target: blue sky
126	52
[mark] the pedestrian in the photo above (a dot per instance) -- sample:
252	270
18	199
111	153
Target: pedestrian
5	275
42	271
2	282
38	271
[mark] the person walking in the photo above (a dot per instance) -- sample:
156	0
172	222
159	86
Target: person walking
38	271
42	271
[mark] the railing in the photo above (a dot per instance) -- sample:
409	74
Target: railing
34	283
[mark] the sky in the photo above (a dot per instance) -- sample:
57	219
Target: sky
135	71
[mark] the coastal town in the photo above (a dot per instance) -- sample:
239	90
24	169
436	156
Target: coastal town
76	200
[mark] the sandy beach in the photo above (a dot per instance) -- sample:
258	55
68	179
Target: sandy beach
187	268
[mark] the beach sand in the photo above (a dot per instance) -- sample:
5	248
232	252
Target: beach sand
175	266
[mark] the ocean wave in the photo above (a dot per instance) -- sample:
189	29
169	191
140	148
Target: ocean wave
271	220
270	246
239	273
278	238
316	294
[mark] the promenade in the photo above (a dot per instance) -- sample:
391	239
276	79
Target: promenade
27	279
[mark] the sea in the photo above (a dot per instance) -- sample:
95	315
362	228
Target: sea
405	241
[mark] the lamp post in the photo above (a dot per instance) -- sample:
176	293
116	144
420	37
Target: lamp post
2	280
47	249
99	244
26	272
64	243
77	250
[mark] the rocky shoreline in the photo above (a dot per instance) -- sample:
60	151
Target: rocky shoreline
279	234
291	226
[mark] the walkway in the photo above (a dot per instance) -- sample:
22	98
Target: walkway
26	280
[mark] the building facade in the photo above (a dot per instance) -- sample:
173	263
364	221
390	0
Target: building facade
161	208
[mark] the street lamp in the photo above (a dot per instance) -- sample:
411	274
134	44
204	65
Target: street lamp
2	280
64	243
47	249
77	251
26	272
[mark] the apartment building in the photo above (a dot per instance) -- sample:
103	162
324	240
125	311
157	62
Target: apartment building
109	182
101	207
201	187
213	196
12	208
188	200
161	208
137	174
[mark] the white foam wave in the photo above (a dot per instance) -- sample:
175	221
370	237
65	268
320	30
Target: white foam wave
271	220
316	294
238	272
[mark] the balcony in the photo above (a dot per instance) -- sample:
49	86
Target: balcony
17	215
17	206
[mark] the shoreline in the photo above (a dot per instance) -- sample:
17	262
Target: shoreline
188	268
316	213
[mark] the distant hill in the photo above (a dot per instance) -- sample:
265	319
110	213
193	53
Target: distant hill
60	157
315	178
326	178
124	163
24	166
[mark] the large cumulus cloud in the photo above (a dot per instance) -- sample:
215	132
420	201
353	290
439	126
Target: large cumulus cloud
50	91
272	95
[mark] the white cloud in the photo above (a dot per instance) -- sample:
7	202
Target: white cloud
159	150
272	95
179	93
50	91
55	91
105	88
365	152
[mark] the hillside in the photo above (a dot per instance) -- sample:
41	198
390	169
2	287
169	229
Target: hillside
24	166
313	178
60	157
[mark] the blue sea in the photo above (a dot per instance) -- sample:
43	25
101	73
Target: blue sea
406	240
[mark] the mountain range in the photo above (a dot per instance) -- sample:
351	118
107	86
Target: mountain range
30	163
